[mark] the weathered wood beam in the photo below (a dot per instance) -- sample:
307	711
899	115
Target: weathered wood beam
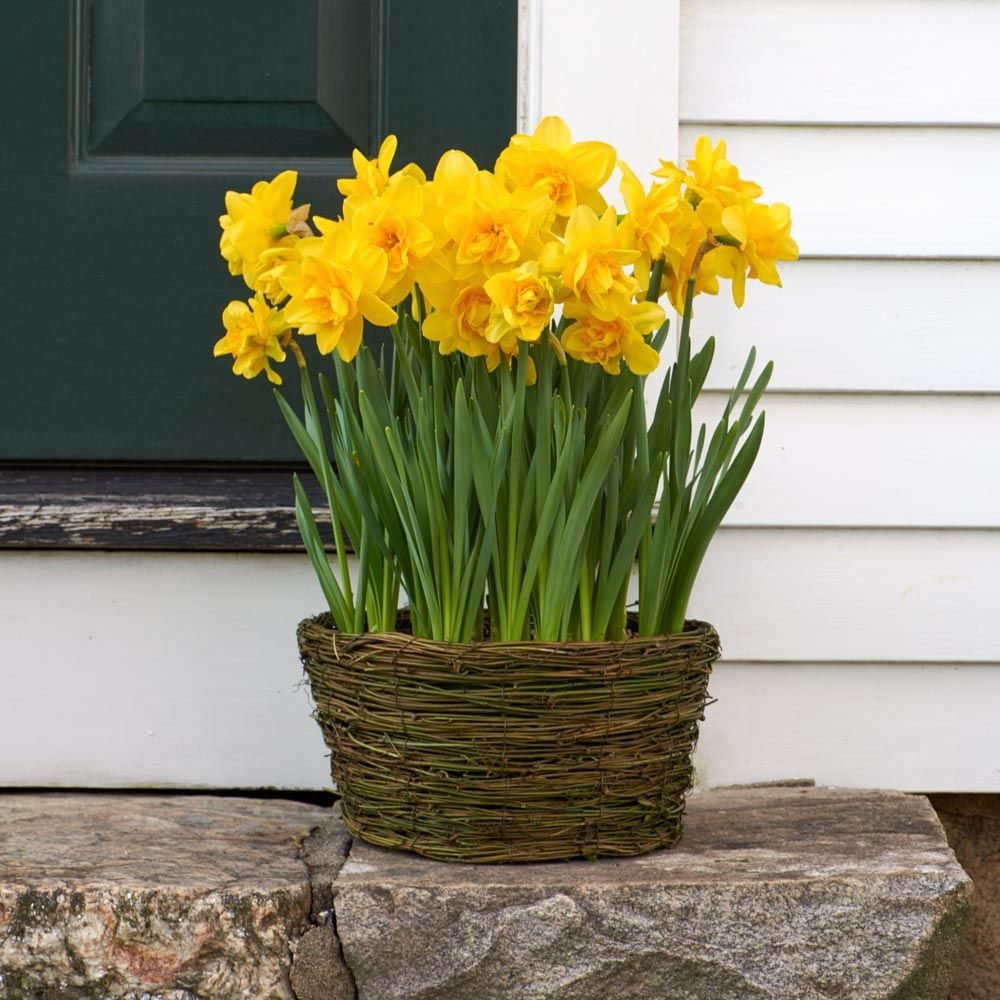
220	510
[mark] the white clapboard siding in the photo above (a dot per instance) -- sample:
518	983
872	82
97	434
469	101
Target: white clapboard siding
155	669
163	669
800	595
872	461
915	727
864	326
874	192
853	655
840	61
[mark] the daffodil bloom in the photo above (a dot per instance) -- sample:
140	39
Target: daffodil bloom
333	288
607	341
256	222
373	175
253	337
392	223
508	348
492	228
711	175
754	238
448	187
655	220
591	262
523	301
568	173
460	319
458	515
706	279
271	265
657	223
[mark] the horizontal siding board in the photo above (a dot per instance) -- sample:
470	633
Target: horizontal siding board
835	61
915	727
873	461
844	641
162	670
865	326
793	595
874	192
181	670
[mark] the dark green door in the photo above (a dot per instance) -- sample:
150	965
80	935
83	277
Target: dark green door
125	121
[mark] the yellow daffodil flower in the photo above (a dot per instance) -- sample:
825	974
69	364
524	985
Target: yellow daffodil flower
447	190
657	223
657	220
271	265
607	341
460	319
711	175
373	175
754	238
392	223
523	301
492	228
256	222
333	288
568	173
677	275
592	261
253	337
452	177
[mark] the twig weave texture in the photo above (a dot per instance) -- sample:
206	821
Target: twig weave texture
514	751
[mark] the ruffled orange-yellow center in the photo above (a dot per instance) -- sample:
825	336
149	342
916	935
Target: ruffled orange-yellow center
599	340
471	309
491	240
329	293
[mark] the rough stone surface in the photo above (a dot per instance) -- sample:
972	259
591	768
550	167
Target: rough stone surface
972	824
318	971
324	854
172	897
772	893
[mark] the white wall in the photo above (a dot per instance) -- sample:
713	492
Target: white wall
856	584
155	669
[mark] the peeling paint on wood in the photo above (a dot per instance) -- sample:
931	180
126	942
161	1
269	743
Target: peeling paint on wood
143	509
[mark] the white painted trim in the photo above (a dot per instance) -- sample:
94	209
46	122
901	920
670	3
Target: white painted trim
529	63
594	62
126	669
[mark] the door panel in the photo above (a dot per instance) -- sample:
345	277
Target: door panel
115	172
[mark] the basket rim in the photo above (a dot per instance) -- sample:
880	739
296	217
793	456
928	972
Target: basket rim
694	629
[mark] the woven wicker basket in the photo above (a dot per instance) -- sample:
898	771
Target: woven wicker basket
496	752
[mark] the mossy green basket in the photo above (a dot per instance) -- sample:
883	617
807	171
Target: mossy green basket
510	751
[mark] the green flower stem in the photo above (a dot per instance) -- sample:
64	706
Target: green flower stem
655	280
585	592
328	480
469	489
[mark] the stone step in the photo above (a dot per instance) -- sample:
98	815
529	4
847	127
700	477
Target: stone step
794	893
172	897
